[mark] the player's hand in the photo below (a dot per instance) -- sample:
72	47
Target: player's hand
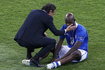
71	27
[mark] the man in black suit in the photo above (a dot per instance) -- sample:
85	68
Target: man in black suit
31	34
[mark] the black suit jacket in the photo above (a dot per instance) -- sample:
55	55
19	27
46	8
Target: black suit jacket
36	23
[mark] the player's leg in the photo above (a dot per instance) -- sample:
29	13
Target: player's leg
84	55
64	49
74	56
77	56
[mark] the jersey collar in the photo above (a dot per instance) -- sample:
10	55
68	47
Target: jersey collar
76	24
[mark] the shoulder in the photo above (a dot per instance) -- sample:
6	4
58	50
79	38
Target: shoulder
39	12
81	28
34	10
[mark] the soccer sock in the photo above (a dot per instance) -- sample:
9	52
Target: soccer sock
56	64
59	63
53	65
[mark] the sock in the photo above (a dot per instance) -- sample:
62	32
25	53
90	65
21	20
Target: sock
59	63
56	64
53	65
50	66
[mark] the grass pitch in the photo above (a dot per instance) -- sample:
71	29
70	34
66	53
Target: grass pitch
90	13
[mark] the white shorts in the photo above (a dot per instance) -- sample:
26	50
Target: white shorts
65	49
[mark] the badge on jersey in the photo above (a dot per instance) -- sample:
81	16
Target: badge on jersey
81	38
71	40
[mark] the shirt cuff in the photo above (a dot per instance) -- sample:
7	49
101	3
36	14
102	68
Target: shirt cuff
65	30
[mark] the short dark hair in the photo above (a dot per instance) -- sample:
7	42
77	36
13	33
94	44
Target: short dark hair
49	7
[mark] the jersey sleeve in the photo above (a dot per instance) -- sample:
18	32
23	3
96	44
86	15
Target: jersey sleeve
80	35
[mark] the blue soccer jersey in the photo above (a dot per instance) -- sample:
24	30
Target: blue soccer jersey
79	34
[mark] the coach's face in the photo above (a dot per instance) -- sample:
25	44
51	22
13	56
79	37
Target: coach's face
51	13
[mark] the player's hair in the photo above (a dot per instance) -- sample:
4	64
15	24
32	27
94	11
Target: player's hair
49	7
69	17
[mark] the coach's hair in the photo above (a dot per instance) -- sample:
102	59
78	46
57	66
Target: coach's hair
49	7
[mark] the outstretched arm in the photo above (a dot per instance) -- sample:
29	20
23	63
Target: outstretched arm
54	30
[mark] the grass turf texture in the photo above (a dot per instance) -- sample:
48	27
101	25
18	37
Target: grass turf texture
89	13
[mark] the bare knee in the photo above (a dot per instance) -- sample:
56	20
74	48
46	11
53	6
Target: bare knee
76	54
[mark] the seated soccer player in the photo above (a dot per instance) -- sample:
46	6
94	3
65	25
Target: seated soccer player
77	48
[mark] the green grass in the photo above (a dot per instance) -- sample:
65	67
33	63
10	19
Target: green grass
89	13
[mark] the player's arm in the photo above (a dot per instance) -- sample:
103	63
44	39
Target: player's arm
58	47
74	48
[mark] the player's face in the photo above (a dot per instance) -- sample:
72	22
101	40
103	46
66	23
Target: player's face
69	23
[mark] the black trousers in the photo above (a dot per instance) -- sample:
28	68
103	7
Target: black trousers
46	43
